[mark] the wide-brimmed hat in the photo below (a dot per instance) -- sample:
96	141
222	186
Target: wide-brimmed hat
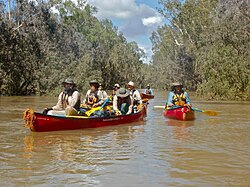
148	85
117	85
122	92
69	81
100	87
176	84
94	82
131	83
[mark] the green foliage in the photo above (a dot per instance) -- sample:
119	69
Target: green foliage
206	46
39	49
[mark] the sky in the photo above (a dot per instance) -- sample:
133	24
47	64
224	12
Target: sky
136	19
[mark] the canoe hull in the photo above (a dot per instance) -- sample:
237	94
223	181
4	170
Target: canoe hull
45	123
182	113
147	96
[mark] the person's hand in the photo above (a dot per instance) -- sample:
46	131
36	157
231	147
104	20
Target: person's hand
129	112
95	105
118	112
171	104
45	111
188	106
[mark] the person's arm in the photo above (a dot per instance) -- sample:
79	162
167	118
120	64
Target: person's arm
85	99
105	95
170	98
58	106
100	97
115	107
130	108
151	92
187	98
74	98
138	97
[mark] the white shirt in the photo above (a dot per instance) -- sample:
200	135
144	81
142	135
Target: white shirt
136	96
71	100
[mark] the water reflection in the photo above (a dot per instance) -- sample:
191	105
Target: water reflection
210	151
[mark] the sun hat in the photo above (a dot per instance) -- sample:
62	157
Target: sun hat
176	84
122	92
117	85
131	83
148	85
100	87
94	82
69	81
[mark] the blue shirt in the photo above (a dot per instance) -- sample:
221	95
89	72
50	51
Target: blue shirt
171	95
148	90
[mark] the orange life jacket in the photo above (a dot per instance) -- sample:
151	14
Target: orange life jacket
179	100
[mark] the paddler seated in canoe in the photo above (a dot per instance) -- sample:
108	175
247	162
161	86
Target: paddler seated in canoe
148	90
177	96
122	102
115	88
135	94
93	98
68	101
104	93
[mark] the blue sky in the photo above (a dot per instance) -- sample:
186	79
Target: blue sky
136	19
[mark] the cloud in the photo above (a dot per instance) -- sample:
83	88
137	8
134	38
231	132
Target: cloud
152	21
135	20
121	9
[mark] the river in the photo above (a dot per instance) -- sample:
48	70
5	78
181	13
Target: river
210	151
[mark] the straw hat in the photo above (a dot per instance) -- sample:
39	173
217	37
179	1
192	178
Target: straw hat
69	81
117	85
131	83
94	82
122	92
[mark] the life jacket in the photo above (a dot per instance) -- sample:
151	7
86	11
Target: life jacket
92	98
65	100
120	104
148	91
179	100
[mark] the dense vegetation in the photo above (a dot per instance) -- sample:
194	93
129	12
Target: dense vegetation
205	44
39	49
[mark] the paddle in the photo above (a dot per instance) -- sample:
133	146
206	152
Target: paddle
163	107
208	112
92	110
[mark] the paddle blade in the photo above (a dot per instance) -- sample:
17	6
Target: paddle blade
92	110
211	112
159	107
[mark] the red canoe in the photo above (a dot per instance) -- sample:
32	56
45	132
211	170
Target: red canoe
147	96
42	123
182	113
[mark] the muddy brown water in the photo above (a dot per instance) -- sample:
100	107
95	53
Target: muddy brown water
210	151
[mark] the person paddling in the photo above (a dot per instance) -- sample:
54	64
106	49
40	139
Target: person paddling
93	96
68	100
148	90
122	102
177	96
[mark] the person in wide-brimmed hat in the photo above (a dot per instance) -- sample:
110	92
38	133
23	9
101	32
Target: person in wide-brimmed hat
104	93
115	88
148	90
177	96
122	102
68	101
94	97
134	93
